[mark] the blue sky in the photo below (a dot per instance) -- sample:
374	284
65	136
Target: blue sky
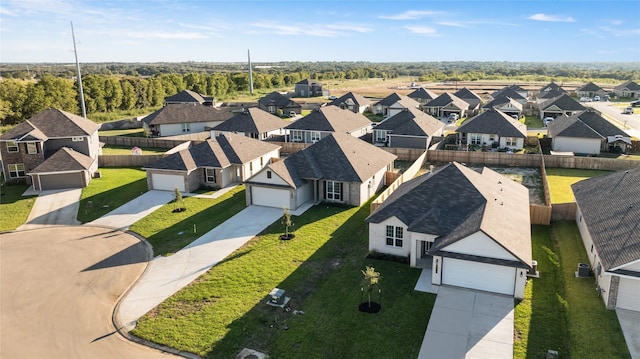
329	30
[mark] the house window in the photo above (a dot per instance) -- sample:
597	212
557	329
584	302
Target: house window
32	148
12	146
334	190
186	127
476	138
395	236
16	170
510	141
296	136
250	166
271	109
381	136
315	136
269	174
77	138
492	138
210	175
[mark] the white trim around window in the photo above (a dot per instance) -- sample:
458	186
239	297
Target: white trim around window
210	175
12	146
333	190
315	136
77	138
32	148
186	127
16	170
395	236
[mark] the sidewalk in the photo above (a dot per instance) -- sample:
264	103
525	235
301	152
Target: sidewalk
165	276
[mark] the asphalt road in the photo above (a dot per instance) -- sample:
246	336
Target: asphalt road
630	122
58	290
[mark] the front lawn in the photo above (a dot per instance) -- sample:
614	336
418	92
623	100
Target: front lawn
116	187
561	179
14	208
562	312
169	232
224	310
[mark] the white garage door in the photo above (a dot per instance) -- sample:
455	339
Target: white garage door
629	294
481	276
270	197
164	182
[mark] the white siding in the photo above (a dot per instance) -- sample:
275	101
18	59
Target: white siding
377	182
479	244
261	177
576	145
378	235
174	129
632	266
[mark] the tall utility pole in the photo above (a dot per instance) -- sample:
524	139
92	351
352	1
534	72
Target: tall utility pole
250	73
75	51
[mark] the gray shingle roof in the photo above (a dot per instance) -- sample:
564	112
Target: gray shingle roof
590	87
187	113
219	152
422	93
186	96
552	86
356	99
65	159
502	101
468	96
252	120
278	100
610	206
550	94
564	102
629	85
456	201
508	92
389	100
337	157
331	119
447	98
411	122
496	122
52	123
587	124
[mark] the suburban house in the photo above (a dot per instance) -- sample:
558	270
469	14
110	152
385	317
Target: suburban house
471	98
587	133
190	97
608	209
353	102
393	104
590	90
542	96
446	104
422	95
337	169
510	93
326	120
308	88
252	122
559	106
471	228
507	105
495	129
180	119
515	88
627	89
552	86
52	150
218	162
410	128
279	104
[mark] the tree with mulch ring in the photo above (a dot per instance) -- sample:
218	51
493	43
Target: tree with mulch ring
370	283
286	222
178	202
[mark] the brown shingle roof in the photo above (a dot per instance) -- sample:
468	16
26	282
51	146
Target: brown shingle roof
187	113
253	120
331	119
64	160
52	123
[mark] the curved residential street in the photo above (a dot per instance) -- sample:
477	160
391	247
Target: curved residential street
630	123
58	290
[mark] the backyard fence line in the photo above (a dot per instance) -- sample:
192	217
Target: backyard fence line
401	178
127	160
564	212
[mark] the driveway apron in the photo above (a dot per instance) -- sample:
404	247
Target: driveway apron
54	207
129	213
469	324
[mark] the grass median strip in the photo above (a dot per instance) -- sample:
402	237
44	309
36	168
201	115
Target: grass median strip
224	310
169	232
114	188
14	208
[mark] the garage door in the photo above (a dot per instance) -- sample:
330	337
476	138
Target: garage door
165	182
481	276
59	181
270	197
628	297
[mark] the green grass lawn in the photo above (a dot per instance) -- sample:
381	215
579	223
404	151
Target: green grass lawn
561	179
533	122
168	232
224	311
124	150
14	208
562	312
116	187
132	132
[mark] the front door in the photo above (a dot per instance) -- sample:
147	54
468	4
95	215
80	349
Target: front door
426	246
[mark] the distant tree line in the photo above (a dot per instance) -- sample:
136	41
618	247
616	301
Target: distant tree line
26	89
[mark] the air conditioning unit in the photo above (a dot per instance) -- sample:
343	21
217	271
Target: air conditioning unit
247	353
583	270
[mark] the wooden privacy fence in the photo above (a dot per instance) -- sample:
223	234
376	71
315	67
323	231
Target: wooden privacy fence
591	163
407	175
540	214
405	154
484	158
127	160
142	142
564	212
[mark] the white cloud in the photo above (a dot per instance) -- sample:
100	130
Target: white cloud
411	15
616	22
5	11
422	30
551	18
452	23
354	28
163	35
320	30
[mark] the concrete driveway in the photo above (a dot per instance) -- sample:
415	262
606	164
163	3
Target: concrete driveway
58	289
630	324
54	207
167	275
131	212
469	324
